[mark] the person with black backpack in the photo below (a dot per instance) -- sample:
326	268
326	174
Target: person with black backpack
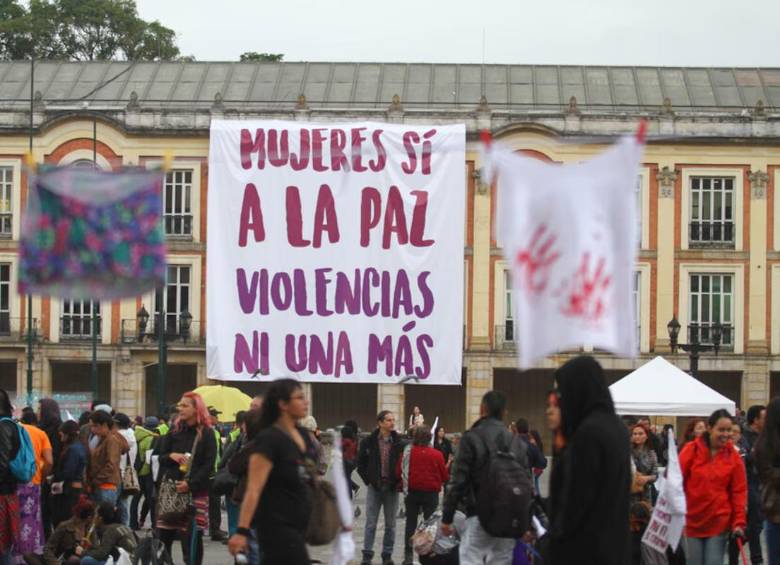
10	444
590	486
491	478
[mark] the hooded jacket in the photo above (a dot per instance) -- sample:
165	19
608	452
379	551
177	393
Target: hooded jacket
144	439
104	460
591	478
715	489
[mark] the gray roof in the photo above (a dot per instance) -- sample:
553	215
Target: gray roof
277	86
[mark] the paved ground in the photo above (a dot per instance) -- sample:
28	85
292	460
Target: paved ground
216	553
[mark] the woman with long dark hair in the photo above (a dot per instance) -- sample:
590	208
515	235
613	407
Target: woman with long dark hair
68	472
766	455
645	461
49	421
715	491
444	445
277	462
188	455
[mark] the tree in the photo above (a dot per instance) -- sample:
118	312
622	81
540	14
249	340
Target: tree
254	56
84	30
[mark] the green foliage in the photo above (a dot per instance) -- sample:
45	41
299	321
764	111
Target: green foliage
254	56
82	30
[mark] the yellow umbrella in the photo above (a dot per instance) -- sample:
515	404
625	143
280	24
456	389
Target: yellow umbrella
226	399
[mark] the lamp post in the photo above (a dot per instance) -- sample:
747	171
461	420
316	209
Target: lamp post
29	296
94	336
694	348
162	361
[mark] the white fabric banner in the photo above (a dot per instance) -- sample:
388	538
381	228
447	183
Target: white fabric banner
335	252
668	520
569	235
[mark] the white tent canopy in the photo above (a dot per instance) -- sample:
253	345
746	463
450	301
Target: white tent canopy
659	388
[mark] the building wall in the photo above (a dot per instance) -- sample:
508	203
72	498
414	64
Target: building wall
665	263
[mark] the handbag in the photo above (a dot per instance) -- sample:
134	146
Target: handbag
130	484
324	519
174	506
224	483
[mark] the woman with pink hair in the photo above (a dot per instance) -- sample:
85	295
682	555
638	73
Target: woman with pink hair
187	455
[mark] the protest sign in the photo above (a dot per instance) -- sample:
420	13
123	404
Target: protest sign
335	251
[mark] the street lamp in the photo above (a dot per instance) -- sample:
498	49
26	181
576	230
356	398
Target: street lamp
143	321
694	348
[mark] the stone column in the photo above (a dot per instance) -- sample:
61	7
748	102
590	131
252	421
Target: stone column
480	290
480	380
667	177
756	330
128	376
391	397
755	381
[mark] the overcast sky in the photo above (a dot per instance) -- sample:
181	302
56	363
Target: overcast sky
606	32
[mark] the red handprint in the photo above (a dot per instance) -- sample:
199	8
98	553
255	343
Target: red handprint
535	261
586	295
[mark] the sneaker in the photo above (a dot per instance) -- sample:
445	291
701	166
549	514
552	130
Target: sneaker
219	535
387	561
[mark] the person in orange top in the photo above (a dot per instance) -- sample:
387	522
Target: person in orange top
716	491
31	538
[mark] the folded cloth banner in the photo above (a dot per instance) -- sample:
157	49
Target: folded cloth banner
569	235
92	234
336	251
668	519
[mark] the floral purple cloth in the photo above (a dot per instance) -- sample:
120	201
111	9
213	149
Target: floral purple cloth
30	537
92	234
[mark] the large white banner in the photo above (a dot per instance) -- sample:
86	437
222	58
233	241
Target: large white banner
335	252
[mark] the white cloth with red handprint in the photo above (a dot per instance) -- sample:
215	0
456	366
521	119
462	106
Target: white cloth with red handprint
569	235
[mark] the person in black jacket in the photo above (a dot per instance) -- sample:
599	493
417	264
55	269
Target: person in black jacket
377	459
477	546
9	502
591	481
179	455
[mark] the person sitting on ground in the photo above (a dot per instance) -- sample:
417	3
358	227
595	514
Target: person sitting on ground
112	533
69	537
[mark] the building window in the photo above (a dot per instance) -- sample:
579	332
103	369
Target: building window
178	203
6	190
638	194
5	298
712	211
711	302
176	299
636	294
509	323
76	320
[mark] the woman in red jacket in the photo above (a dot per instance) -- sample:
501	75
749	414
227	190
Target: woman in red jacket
423	474
715	490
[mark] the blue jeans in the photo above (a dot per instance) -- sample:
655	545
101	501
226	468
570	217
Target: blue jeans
773	542
706	551
91	561
232	516
387	499
105	495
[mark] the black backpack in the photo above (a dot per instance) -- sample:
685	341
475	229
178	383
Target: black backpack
505	491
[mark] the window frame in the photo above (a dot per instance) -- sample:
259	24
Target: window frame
737	175
699	297
183	203
82	316
737	271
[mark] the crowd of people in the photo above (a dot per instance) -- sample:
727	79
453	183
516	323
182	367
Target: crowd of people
81	492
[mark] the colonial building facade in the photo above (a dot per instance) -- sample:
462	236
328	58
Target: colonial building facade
710	246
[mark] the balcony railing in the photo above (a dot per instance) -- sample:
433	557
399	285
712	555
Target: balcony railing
178	225
712	234
176	332
504	336
78	327
15	329
702	333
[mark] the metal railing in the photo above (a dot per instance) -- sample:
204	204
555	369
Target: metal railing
176	332
178	225
78	327
703	333
712	234
15	329
504	335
